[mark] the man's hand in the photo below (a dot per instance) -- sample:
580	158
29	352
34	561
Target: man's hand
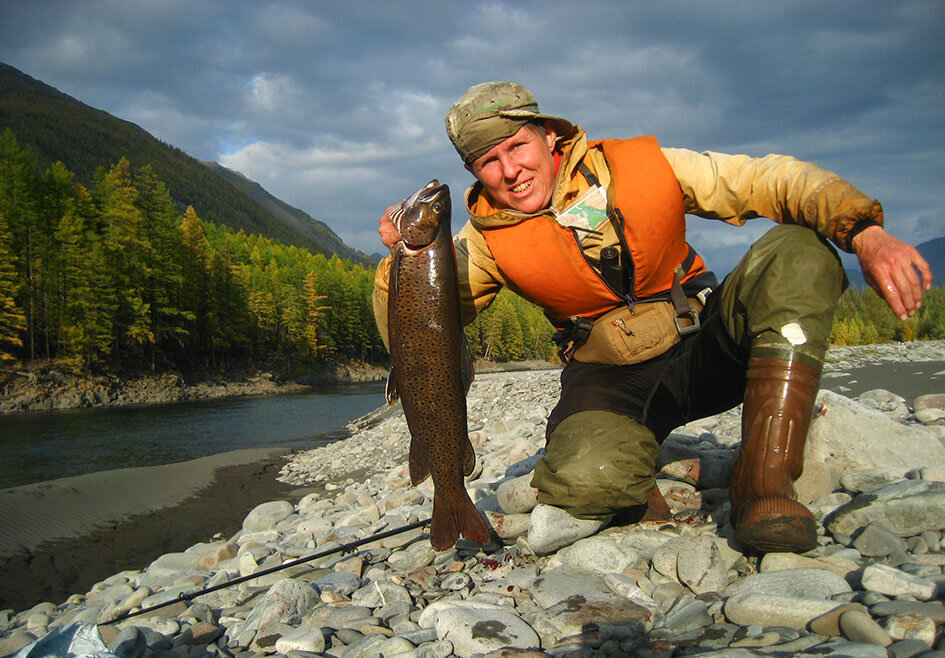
890	265
388	232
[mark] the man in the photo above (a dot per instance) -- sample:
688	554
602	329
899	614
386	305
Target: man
594	232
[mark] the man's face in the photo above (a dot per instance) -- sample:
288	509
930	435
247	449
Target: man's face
519	173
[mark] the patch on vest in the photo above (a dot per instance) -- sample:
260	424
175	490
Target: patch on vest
587	212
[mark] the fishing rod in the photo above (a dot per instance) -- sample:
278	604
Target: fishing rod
344	548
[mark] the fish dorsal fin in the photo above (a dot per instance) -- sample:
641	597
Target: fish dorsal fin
419	463
391	393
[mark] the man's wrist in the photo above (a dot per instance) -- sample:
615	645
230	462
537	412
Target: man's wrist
857	229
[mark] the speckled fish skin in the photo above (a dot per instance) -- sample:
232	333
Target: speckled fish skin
427	354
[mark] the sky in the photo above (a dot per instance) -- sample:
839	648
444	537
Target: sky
337	107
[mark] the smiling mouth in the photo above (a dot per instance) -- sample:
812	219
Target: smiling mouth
521	187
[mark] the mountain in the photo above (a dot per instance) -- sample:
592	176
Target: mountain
57	127
298	219
934	252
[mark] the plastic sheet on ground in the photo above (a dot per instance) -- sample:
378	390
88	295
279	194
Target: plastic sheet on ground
77	640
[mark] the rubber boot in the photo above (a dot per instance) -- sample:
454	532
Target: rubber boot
779	400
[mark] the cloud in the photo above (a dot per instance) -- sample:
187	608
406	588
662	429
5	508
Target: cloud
337	107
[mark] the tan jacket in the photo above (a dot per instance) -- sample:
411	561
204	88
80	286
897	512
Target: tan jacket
732	188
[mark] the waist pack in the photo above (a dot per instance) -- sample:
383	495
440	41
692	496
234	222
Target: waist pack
626	335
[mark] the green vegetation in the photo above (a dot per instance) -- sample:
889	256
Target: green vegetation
116	274
863	318
58	128
511	329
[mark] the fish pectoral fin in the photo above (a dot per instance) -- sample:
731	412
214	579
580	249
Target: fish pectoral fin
468	366
390	393
419	463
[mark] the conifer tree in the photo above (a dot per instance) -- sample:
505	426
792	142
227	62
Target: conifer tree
127	257
86	317
18	204
12	319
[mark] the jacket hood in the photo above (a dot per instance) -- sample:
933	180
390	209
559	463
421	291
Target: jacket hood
483	215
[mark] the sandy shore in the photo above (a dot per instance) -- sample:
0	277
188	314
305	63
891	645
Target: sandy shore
62	536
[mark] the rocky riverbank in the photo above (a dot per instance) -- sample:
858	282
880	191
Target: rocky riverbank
46	389
548	585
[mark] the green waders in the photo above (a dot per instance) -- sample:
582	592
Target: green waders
603	436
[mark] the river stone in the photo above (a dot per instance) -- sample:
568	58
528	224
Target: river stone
687	615
891	581
929	401
858	626
336	617
935	610
643	541
707	469
907	508
380	592
552	528
860	481
815	481
597	556
287	602
841	566
556	585
798	583
304	638
475	631
613	617
829	623
129	643
341	582
517	496
844	649
910	627
852	437
215	554
701	568
769	610
172	566
265	516
877	541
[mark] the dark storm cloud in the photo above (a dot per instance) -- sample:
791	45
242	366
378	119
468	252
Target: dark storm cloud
337	107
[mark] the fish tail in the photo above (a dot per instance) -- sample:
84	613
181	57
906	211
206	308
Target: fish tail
449	521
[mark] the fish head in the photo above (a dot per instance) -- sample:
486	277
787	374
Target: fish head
419	217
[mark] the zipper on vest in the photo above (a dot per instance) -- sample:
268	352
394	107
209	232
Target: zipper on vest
621	297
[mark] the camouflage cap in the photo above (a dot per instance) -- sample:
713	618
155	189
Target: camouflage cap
491	112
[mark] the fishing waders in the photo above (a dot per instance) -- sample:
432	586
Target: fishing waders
779	400
771	307
762	342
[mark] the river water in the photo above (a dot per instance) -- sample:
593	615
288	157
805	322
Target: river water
49	445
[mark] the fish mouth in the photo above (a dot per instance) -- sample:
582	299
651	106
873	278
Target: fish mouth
425	194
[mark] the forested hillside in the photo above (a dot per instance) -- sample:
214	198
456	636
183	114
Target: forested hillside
115	275
59	128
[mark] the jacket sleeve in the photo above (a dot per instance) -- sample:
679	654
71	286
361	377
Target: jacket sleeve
736	188
479	279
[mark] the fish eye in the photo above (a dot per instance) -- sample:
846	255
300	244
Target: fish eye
437	207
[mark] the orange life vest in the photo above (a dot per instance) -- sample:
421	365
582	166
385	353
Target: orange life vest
543	260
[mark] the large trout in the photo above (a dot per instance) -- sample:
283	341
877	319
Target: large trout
431	366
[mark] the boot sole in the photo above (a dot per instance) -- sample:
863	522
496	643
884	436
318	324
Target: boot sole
776	525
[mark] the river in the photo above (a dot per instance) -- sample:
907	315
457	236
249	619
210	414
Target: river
49	445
